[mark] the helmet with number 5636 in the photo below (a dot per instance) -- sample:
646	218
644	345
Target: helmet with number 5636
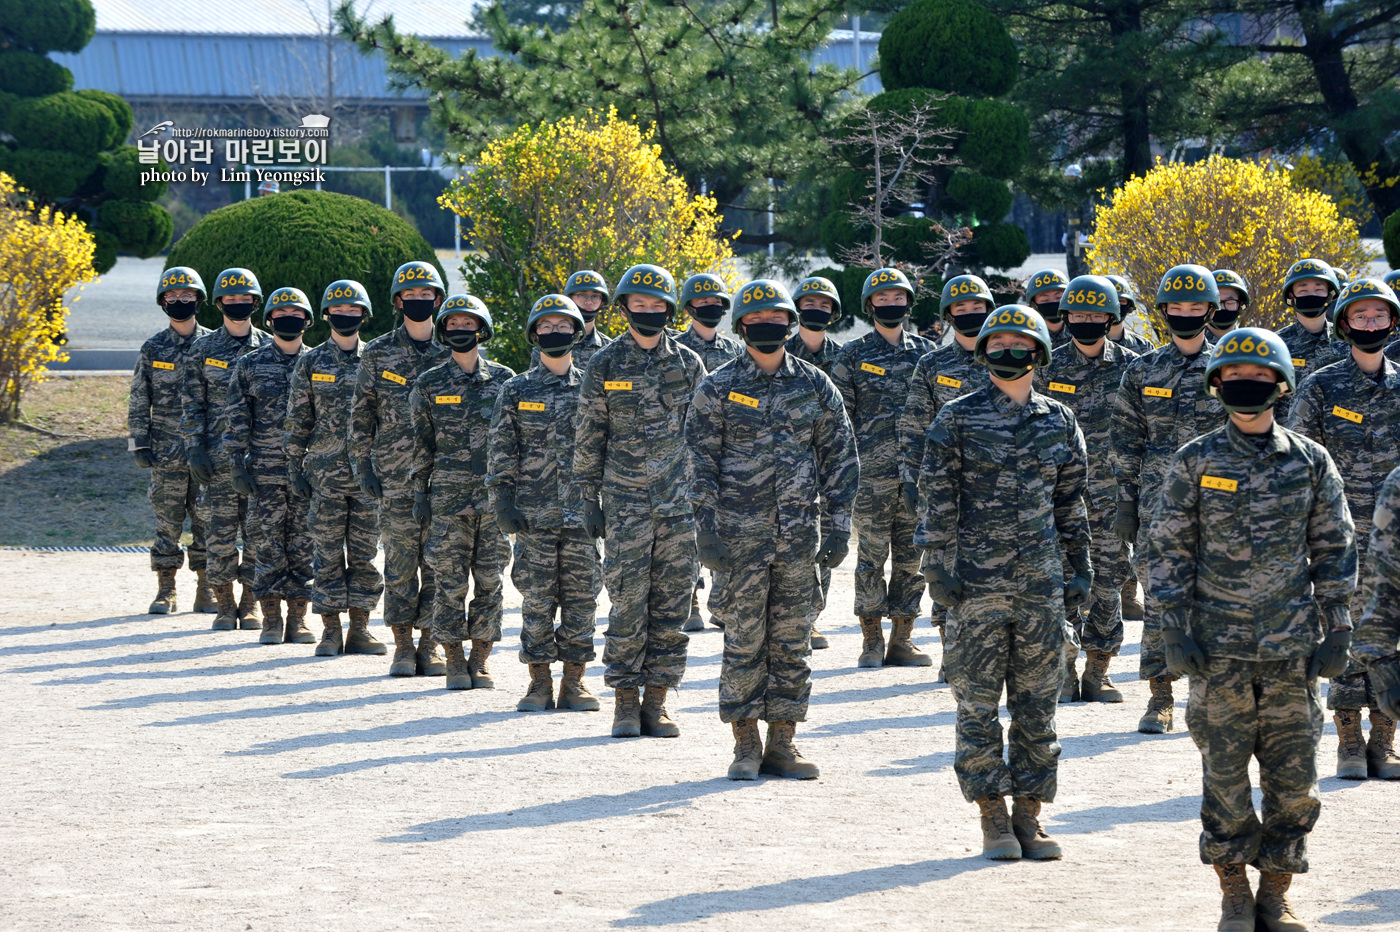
1016	318
1188	283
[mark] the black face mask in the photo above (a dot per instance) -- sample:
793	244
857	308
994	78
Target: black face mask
181	310
555	345
891	315
460	341
238	311
708	316
289	327
969	325
346	324
1087	332
1247	396
1050	310
650	323
1184	326
588	315
1011	364
815	318
1223	319
1311	305
1126	308
418	309
1369	341
765	337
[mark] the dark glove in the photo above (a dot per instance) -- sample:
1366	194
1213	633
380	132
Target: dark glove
144	459
510	518
243	482
300	485
369	482
1330	658
422	509
1125	524
910	491
1184	658
713	553
1077	589
201	466
593	520
943	587
834	548
1389	701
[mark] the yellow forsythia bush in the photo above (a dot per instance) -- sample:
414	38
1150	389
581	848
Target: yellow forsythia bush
43	253
590	192
1221	213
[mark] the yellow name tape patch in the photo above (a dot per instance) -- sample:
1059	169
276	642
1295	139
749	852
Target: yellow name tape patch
1157	392
1348	415
867	367
322	377
617	386
211	361
157	364
394	377
531	406
1062	387
1299	363
951	383
743	399
1215	482
447	399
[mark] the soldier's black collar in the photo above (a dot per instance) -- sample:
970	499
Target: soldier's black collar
1249	445
786	370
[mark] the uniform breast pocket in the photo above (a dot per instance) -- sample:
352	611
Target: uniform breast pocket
1293	492
1051	462
1221	496
802	420
675	402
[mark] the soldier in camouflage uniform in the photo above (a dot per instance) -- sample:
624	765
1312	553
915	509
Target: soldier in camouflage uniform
530	480
768	435
1377	643
153	419
1234	300
343	521
705	298
818	307
1352	408
1252	558
941	375
1128	302
872	374
1084	375
452	404
1043	292
1162	403
589	292
630	452
1392	349
254	443
1310	289
381	445
203	395
1002	494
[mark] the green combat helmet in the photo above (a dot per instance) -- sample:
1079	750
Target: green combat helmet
553	304
464	304
1091	294
586	280
1251	345
761	294
1392	279
1228	278
963	288
816	285
237	281
346	291
1360	290
1042	281
180	276
1309	268
287	297
885	280
1126	292
1340	274
1188	283
1015	318
705	285
650	280
416	275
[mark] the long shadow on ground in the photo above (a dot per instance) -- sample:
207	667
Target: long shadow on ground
335	770
424	727
1376	908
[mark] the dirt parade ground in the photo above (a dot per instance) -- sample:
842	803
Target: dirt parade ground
157	774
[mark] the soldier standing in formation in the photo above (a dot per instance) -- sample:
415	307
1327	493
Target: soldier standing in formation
254	443
530	479
873	375
1043	292
153	420
632	468
1352	408
202	423
1309	288
1128	302
1251	540
1084	375
381	441
1002	491
1377	641
343	520
768	435
1234	300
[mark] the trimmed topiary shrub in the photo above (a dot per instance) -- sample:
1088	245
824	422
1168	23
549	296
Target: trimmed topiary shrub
44	26
1390	240
958	46
987	198
1000	245
306	239
123	177
26	74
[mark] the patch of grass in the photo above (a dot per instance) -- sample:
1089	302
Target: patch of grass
81	488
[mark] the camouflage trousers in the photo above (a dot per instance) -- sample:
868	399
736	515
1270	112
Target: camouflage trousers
1152	657
885	531
174	495
649	565
467	554
407	601
1272	712
992	643
1099	623
1352	691
824	572
344	527
767	602
225	514
281	544
557	571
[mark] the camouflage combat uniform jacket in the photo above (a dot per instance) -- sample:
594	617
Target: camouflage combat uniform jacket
318	415
452	422
946	373
155	408
205	389
257	412
381	422
532	448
